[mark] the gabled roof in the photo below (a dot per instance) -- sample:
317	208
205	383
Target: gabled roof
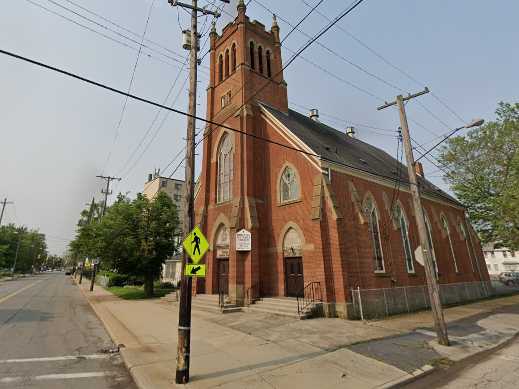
336	147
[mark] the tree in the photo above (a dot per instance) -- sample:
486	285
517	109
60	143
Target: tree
27	247
134	237
483	171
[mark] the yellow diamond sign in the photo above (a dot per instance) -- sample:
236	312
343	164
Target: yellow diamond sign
196	245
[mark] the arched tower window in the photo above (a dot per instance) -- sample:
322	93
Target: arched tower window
374	229
226	63
269	69
225	169
404	233
251	53
233	57
220	68
430	240
288	185
260	59
445	226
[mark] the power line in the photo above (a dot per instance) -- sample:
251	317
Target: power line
124	44
125	104
147	101
158	112
140	43
388	62
355	65
123	28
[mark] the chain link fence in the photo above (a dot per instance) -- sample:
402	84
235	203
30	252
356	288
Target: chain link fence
379	303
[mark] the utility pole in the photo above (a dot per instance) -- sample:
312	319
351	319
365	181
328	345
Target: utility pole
4	203
430	272
184	311
107	191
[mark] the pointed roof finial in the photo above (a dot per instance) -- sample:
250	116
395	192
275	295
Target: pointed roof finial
241	4
274	21
213	27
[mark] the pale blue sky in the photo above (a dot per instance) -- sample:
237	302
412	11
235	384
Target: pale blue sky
56	132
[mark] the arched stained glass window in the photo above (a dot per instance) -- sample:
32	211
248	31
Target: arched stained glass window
374	229
404	233
225	169
430	240
446	228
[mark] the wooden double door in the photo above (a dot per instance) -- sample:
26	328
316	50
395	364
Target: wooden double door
294	281
223	275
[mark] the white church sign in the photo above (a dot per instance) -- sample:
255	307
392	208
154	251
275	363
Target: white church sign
243	240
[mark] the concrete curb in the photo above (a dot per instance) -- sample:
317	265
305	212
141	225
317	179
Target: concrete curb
428	369
135	378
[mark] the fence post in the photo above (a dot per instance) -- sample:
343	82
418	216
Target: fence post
406	302
360	304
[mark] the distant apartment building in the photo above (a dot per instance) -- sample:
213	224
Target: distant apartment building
500	260
172	187
172	269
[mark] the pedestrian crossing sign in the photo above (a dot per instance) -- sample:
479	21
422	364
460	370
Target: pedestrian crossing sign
196	245
194	270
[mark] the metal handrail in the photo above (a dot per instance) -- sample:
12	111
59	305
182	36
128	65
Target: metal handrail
309	295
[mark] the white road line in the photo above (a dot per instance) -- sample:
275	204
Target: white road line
4	298
51	359
93	374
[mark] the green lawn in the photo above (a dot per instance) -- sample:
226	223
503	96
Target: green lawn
136	292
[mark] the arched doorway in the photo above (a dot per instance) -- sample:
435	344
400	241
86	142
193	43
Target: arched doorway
293	258
222	259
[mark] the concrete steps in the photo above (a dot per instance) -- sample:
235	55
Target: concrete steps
205	302
282	306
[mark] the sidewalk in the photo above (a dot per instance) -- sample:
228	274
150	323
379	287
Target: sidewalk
252	350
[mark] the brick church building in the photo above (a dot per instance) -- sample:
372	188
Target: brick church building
321	205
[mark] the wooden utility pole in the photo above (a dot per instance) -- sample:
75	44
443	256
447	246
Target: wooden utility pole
107	191
184	311
4	203
430	271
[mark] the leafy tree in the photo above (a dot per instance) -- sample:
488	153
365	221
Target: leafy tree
27	247
134	237
483	171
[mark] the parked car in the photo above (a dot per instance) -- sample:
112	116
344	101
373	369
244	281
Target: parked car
509	278
68	271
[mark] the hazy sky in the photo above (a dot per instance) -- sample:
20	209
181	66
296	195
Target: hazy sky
57	133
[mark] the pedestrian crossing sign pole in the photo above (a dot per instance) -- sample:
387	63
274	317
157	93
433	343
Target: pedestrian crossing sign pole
196	245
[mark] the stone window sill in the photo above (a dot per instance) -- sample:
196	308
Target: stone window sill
281	204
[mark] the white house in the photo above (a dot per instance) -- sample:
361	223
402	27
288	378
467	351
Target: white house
500	260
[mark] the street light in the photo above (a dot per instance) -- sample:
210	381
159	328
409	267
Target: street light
473	123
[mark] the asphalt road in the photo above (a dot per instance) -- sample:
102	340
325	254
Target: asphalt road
51	338
497	368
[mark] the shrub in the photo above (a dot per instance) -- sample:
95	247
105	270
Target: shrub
117	279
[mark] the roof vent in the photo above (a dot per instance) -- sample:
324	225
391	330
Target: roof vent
350	131
314	114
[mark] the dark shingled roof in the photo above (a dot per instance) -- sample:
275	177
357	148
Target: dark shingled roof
335	146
